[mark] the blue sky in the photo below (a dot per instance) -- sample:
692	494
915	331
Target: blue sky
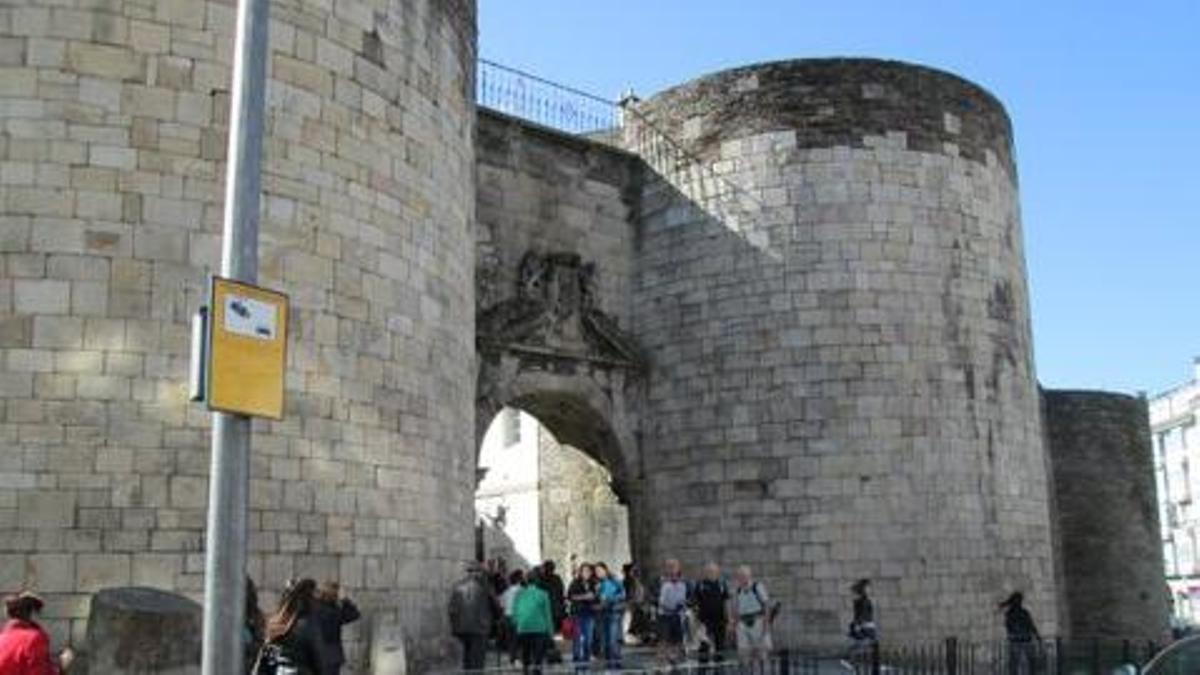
1105	101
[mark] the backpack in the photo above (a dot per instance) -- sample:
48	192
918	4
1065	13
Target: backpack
770	610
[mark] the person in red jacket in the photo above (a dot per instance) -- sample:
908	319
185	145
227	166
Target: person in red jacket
24	645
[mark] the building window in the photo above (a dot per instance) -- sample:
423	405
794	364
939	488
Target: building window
512	426
1185	492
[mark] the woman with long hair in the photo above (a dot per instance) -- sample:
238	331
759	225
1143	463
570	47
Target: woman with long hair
582	596
253	627
293	633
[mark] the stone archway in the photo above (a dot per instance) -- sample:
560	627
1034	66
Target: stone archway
550	351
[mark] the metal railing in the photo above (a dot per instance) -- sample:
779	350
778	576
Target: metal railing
535	99
529	97
947	657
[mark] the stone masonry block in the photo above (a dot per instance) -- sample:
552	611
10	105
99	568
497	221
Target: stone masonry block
53	331
189	492
41	296
46	509
94	572
108	61
51	572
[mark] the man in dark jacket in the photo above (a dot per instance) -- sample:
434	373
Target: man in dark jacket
473	610
558	594
1024	642
711	598
332	612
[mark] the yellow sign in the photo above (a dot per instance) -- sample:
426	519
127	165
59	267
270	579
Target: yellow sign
247	349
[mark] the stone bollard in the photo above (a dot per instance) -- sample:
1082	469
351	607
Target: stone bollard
143	630
388	656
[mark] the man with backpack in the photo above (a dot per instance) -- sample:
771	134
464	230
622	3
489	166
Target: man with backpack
753	613
710	597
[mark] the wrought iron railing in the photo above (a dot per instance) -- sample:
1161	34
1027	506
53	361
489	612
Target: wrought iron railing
520	94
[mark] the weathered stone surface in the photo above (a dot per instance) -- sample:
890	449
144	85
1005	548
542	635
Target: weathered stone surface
142	630
111	188
837	314
796	331
1107	512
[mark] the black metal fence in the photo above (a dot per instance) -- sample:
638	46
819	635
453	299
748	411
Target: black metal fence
1046	657
520	94
946	657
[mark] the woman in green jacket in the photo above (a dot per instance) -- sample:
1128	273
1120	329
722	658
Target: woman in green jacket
534	622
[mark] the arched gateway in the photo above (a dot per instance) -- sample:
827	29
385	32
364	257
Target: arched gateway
548	350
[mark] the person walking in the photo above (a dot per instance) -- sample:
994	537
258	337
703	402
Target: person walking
611	594
864	635
24	644
293	636
711	598
672	604
1024	641
333	612
752	610
534	622
508	626
553	584
473	609
635	602
582	596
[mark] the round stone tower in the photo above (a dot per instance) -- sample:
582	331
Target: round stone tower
832	288
1108	515
113	154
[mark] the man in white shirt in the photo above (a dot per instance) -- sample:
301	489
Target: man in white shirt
751	608
672	604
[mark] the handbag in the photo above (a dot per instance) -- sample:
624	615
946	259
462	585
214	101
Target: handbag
569	628
270	661
267	661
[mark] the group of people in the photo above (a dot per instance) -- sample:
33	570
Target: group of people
523	611
726	616
304	635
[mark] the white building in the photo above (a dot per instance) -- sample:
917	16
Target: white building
1177	472
507	500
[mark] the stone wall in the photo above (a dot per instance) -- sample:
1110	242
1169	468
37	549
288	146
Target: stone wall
581	518
831	283
111	183
1108	515
556	238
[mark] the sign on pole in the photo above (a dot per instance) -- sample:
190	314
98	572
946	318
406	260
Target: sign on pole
247	349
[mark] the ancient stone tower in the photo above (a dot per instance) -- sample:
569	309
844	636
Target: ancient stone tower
114	120
832	285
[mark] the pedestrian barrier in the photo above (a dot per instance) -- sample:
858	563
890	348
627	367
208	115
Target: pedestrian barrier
947	657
